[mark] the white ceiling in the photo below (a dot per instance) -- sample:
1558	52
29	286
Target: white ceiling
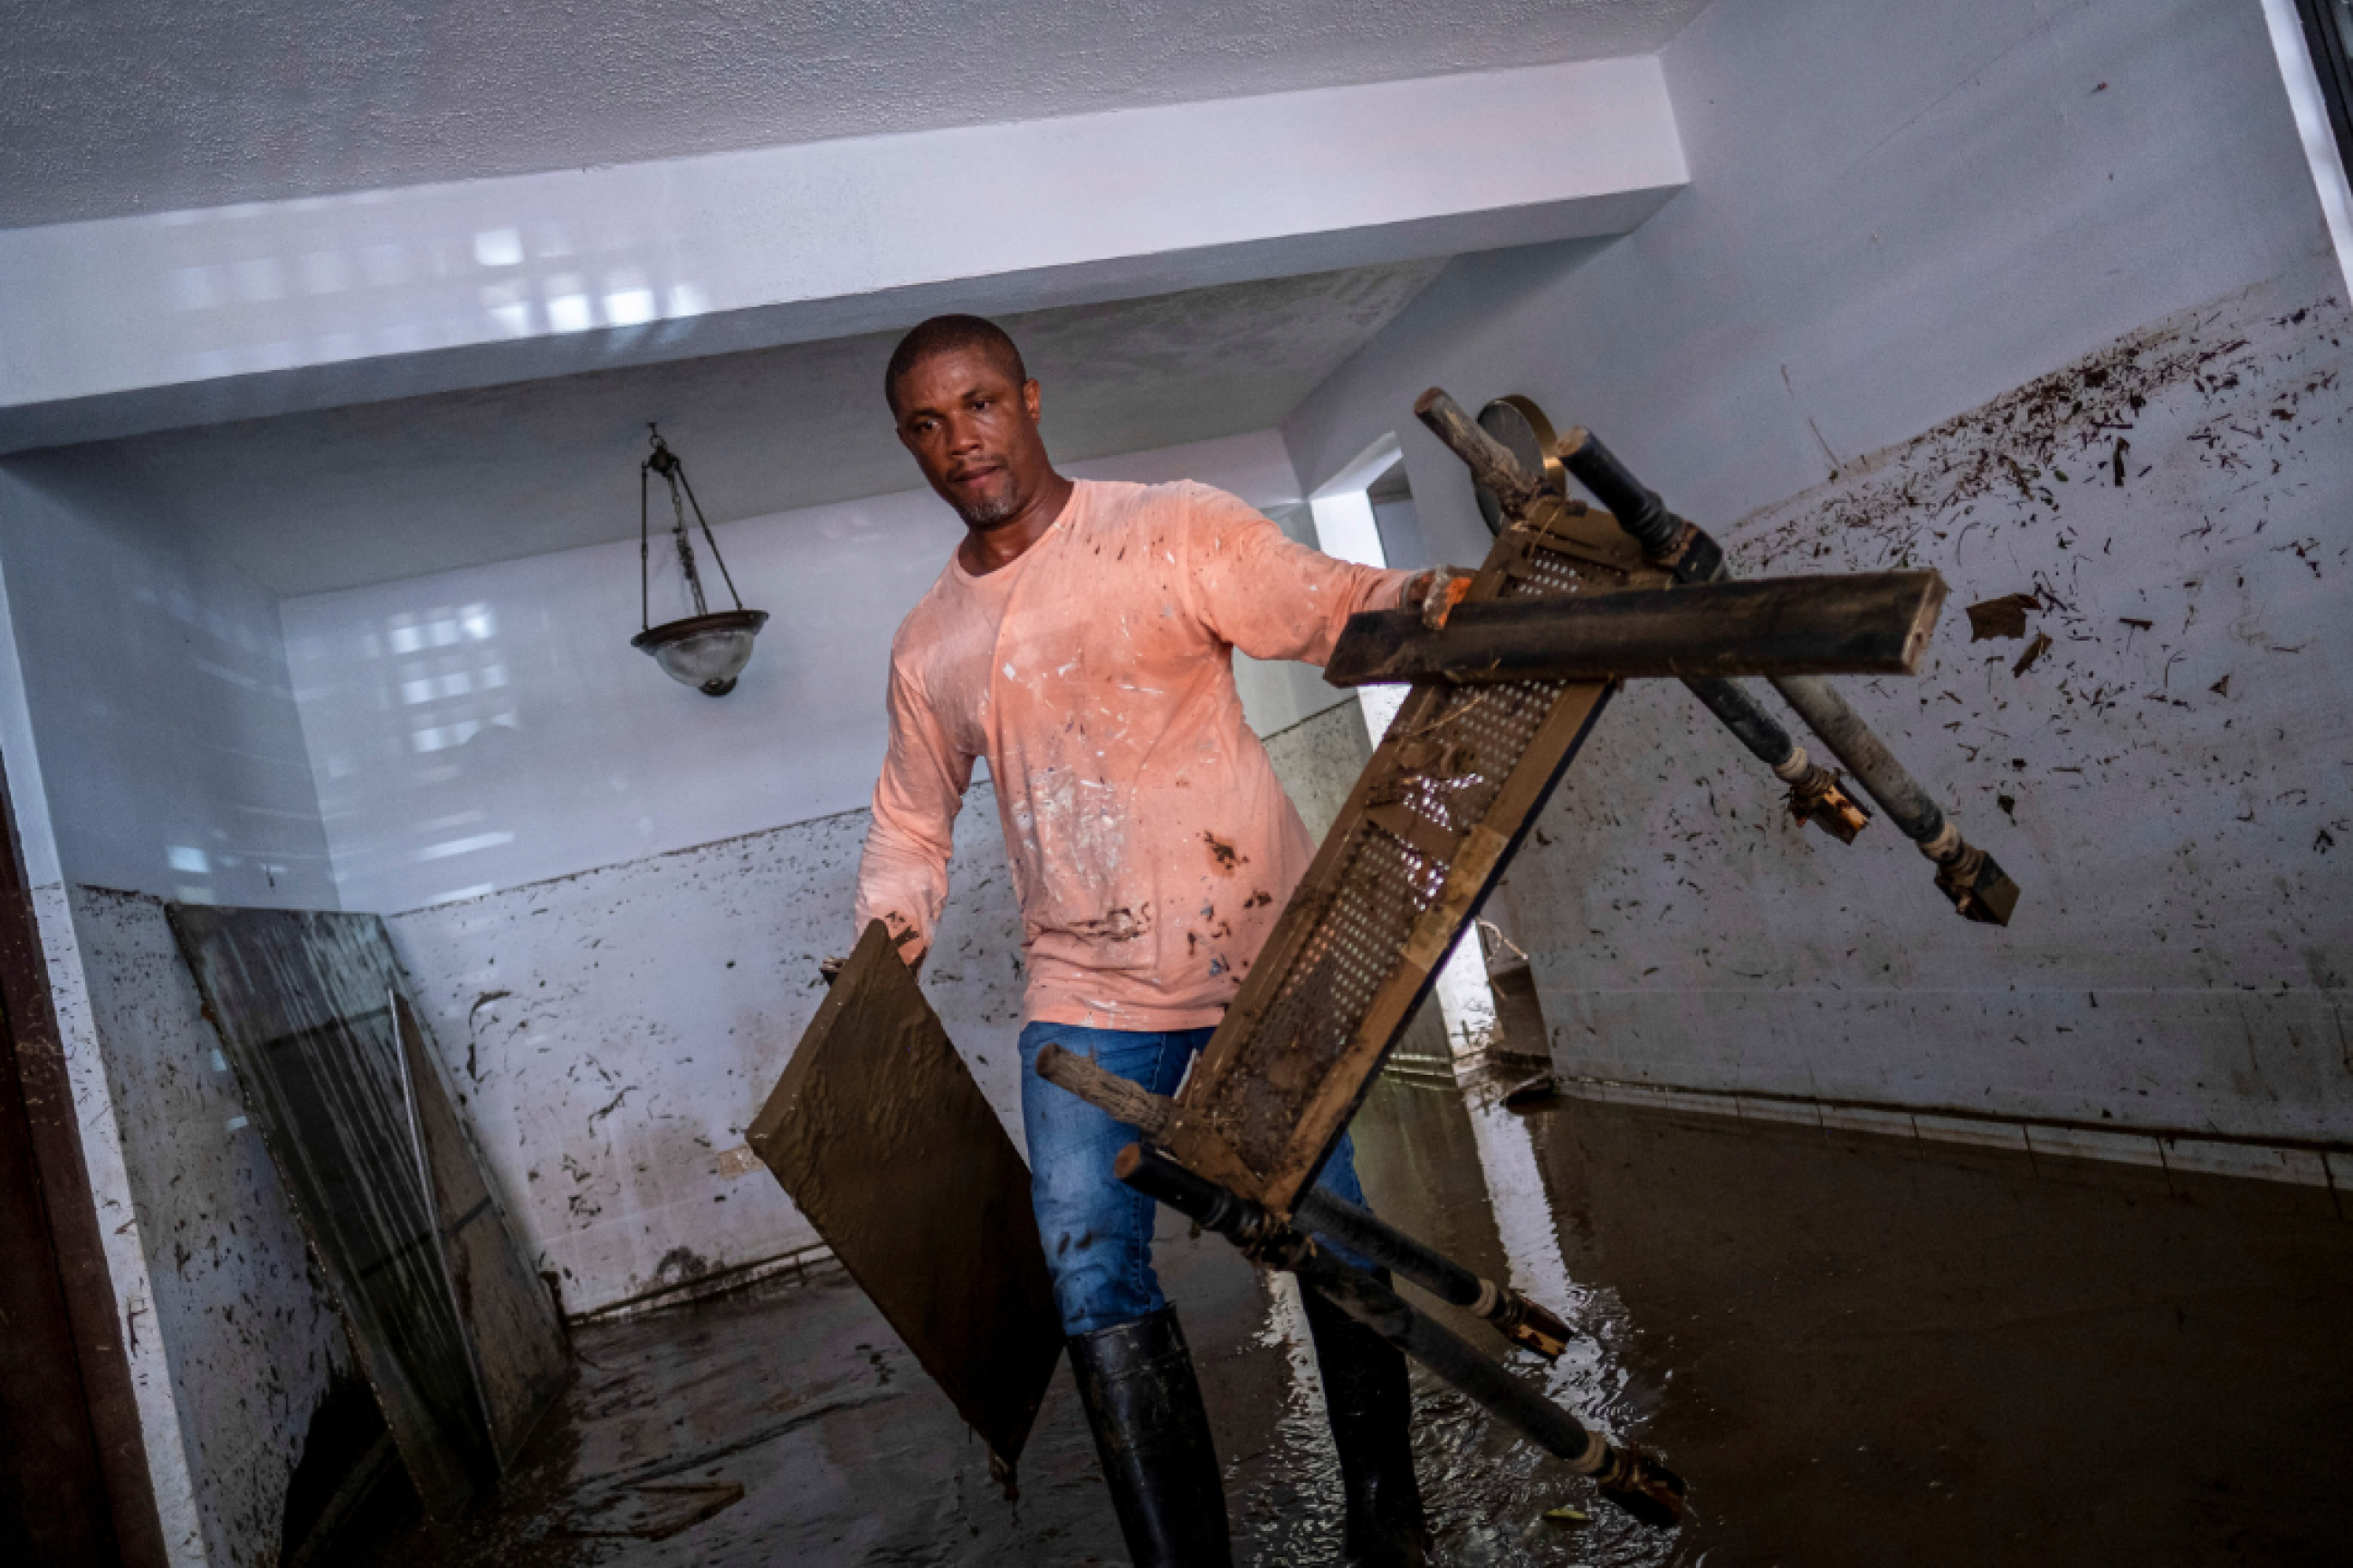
381	491
110	108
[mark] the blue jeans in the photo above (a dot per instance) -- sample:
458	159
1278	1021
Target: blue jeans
1097	1230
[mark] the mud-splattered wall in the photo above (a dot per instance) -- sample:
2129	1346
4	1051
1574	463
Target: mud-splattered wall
2040	298
1319	759
244	1326
612	1034
2161	754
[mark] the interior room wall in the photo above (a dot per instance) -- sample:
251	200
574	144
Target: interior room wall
155	679
154	754
613	893
1934	270
483	728
250	1331
613	1033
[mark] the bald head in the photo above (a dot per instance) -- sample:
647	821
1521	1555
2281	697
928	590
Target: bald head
952	335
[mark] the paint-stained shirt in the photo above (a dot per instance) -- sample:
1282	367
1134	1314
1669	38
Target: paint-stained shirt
1151	845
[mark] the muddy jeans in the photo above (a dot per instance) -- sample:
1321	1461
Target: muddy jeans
1097	1230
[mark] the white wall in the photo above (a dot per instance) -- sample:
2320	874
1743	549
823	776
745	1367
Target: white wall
1907	212
492	727
229	1304
1279	695
154	753
1900	216
612	1034
154	679
2165	781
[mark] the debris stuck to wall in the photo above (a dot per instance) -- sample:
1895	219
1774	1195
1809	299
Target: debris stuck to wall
2158	525
2002	618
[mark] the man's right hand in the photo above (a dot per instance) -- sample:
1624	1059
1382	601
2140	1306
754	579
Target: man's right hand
1436	591
830	970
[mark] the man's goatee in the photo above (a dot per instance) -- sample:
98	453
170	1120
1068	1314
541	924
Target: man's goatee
988	513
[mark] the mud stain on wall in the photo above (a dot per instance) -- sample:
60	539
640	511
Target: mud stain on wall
2160	756
239	1316
611	1035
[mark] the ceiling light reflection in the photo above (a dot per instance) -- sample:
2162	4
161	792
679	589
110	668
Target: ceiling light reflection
498	247
448	847
629	307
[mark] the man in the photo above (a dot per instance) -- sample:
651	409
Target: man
1082	639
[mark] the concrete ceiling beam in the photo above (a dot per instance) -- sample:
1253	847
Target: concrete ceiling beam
129	324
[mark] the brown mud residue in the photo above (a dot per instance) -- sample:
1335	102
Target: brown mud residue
1122	924
2020	448
1223	858
2002	618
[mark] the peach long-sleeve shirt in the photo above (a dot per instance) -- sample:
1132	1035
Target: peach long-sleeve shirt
1152	846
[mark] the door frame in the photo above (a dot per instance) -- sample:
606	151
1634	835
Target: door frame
96	1465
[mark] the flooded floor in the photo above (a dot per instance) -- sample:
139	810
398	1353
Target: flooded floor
1857	1351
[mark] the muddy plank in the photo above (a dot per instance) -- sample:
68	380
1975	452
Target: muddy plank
299	999
885	1142
517	1345
1867	623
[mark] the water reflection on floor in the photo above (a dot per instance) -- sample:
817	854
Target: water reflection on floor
1858	1351
1458	1169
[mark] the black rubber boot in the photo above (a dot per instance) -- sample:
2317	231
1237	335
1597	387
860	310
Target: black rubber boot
1370	1402
1152	1437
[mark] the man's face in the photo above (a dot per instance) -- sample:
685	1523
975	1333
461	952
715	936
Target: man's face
974	431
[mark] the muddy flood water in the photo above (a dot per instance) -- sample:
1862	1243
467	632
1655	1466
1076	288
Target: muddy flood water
1857	1350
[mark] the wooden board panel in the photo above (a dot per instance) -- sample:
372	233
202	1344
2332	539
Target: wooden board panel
883	1139
518	1345
298	999
1860	623
305	1004
1449	792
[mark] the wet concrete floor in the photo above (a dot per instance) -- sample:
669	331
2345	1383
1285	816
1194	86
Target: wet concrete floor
1858	1351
